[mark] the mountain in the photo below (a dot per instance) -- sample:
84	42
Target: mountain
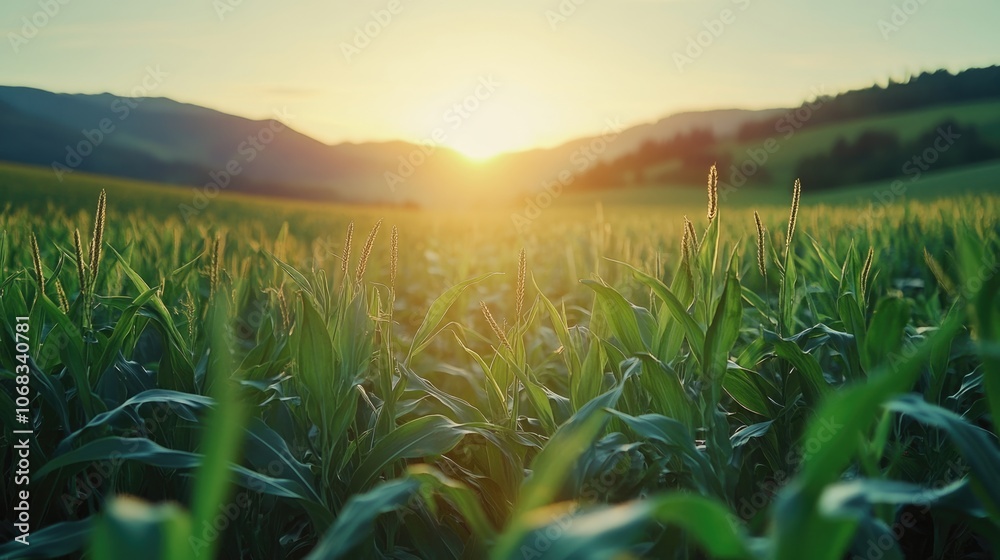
163	140
722	123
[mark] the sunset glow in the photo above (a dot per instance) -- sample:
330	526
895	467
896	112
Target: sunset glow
384	70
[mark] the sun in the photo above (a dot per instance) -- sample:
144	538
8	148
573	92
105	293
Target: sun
498	126
480	152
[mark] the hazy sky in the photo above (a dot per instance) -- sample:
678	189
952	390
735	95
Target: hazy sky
528	72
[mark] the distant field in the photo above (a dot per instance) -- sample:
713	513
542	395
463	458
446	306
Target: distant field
781	162
640	223
907	126
983	178
37	187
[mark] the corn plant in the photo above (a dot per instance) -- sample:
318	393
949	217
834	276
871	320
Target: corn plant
757	383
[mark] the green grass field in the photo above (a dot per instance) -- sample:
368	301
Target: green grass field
973	179
786	153
286	380
908	126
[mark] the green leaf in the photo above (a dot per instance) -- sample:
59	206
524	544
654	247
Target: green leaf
672	438
742	386
428	436
552	465
130	528
799	528
464	499
123	327
162	314
979	265
724	329
436	312
855	497
621	316
54	541
266	449
814	385
977	446
221	442
561	330
854	323
176	400
316	355
356	520
74	356
884	336
742	436
295	274
549	470
694	333
142	450
610	532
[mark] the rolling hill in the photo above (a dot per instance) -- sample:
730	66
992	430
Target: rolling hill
162	140
165	141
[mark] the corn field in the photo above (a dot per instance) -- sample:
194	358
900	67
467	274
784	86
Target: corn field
811	382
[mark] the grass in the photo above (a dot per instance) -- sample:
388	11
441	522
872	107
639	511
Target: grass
972	179
788	152
908	126
295	381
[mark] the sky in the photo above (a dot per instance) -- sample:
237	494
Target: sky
498	76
